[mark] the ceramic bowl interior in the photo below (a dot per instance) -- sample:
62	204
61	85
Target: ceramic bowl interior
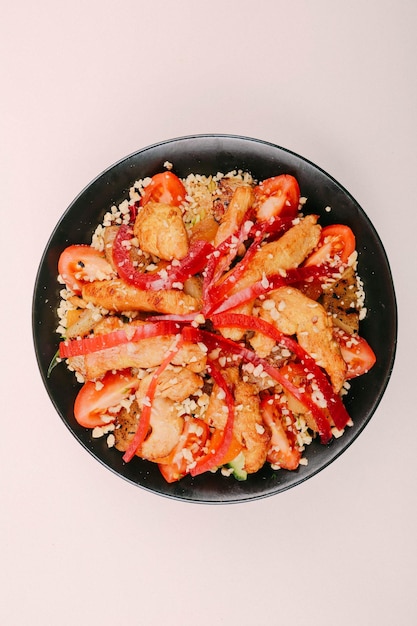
209	154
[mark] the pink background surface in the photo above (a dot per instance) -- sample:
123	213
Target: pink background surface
86	83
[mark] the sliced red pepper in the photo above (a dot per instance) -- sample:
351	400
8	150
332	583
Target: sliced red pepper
193	263
335	405
217	453
217	291
214	341
145	416
95	343
222	256
267	284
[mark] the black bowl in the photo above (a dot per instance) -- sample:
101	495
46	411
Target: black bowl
208	154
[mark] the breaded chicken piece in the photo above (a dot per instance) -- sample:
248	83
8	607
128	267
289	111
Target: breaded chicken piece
293	313
287	252
143	354
165	429
174	383
248	429
117	295
241	201
160	230
249	426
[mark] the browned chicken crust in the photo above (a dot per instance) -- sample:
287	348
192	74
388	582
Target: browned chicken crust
147	353
117	295
164	432
160	230
287	252
293	313
340	300
249	428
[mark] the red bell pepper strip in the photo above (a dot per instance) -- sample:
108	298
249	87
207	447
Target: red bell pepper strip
214	341
95	343
267	284
334	403
222	256
259	232
145	415
193	263
215	455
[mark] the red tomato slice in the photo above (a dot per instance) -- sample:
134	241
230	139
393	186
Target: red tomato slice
279	195
336	239
79	264
356	352
95	398
192	440
283	449
164	187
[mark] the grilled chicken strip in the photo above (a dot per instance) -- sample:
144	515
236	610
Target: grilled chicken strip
160	230
249	429
143	354
175	383
241	201
287	252
293	313
117	295
165	429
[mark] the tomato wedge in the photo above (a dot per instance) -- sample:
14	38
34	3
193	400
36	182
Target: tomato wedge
336	239
356	352
193	439
279	195
283	449
81	263
95	398
164	187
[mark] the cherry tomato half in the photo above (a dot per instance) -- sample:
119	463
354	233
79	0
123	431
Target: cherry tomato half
78	264
279	195
164	187
336	239
95	398
193	438
283	449
356	352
